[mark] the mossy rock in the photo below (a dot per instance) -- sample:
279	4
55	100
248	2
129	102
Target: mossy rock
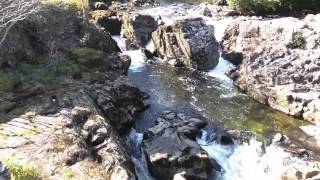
7	106
8	81
21	171
88	57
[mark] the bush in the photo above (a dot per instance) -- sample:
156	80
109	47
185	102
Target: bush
273	6
21	172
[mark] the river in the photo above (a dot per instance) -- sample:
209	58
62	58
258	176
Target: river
212	95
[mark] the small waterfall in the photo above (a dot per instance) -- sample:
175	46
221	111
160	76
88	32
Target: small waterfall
134	143
248	161
137	58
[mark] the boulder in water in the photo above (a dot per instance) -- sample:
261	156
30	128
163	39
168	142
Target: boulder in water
137	29
172	150
188	40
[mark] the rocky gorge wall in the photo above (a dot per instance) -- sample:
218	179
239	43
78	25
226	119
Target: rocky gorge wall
278	63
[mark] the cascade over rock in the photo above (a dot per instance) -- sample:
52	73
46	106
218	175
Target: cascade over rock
171	148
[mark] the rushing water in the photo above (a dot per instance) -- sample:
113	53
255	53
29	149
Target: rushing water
212	95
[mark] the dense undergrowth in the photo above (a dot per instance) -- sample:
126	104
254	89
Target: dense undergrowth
273	6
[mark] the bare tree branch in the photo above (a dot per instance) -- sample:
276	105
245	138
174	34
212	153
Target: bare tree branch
12	11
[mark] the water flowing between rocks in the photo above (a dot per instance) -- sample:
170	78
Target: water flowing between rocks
212	95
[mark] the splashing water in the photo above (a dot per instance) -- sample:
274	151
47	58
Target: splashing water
134	144
248	161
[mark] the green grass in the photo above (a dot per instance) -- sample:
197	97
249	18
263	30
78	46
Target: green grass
21	171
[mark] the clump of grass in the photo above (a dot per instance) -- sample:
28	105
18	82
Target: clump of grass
67	173
81	6
21	171
29	132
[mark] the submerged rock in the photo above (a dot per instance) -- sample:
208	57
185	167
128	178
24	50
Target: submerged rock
137	29
172	150
279	63
188	40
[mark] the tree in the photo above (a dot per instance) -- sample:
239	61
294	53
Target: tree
13	11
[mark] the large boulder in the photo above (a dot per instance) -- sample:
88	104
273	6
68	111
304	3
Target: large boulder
137	29
190	41
279	63
119	101
108	20
172	150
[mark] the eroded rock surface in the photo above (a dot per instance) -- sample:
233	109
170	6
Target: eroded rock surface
279	63
77	139
189	41
172	150
137	29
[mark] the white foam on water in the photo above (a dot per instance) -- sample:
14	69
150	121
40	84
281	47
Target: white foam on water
134	143
137	58
248	161
220	70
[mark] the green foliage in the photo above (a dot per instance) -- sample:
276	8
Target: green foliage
273	6
88	57
67	173
21	172
8	81
298	40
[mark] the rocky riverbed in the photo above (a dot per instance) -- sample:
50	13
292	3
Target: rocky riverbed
160	90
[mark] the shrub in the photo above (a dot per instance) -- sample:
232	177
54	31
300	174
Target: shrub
273	6
21	172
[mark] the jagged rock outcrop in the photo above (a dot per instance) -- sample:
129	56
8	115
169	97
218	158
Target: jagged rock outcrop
279	63
50	34
74	139
172	150
108	20
137	29
120	101
189	41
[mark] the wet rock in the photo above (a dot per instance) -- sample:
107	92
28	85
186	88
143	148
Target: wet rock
189	40
119	101
171	148
301	170
4	172
137	29
278	63
232	137
147	53
100	5
108	20
144	3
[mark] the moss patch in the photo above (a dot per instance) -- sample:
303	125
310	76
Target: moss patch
8	81
88	57
29	132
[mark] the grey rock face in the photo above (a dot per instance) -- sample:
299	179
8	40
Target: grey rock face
76	138
119	101
171	148
44	36
137	29
4	172
279	63
188	40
